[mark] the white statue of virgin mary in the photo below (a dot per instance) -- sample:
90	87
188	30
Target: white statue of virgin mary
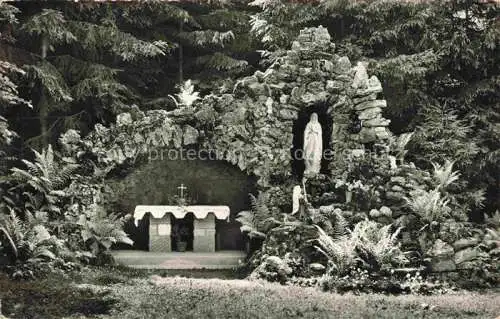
313	146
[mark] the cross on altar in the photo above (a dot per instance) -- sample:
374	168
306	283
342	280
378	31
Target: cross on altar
182	188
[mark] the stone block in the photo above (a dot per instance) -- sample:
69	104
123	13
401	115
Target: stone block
370	113
374	86
190	135
160	231
334	86
467	254
343	64
385	211
441	250
204	234
443	265
160	243
358	100
464	243
371	104
287	114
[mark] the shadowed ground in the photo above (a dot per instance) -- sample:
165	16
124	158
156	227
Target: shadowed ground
215	298
124	293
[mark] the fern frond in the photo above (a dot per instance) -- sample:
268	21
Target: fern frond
11	241
444	174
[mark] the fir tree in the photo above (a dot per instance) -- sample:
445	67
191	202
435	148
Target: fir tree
75	75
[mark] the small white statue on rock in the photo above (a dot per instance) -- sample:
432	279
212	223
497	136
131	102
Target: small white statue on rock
296	196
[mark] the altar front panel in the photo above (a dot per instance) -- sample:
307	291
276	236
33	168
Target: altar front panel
204	234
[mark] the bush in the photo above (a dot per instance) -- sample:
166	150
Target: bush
368	244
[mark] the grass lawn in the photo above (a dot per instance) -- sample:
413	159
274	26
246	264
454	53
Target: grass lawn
119	293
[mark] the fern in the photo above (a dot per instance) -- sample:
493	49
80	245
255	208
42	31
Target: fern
45	177
10	225
100	230
251	220
399	145
429	205
248	223
9	93
28	239
377	246
187	95
444	174
341	251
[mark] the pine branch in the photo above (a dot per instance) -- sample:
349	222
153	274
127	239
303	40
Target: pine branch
151	13
96	38
9	94
8	13
50	80
221	62
206	38
76	70
50	25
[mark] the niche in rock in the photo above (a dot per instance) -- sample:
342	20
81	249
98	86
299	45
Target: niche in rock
208	182
299	126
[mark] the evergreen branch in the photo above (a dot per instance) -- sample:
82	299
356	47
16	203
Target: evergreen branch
50	25
8	13
94	38
75	70
8	89
151	13
221	62
207	37
50	80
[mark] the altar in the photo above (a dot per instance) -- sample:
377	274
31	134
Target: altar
162	216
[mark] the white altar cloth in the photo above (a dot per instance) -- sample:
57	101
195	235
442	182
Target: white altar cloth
199	211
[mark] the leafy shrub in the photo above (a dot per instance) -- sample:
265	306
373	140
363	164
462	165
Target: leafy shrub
439	203
375	247
42	181
340	252
430	206
31	249
362	281
99	230
252	221
187	95
26	240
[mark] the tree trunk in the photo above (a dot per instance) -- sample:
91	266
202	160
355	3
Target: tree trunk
43	115
43	110
45	46
181	58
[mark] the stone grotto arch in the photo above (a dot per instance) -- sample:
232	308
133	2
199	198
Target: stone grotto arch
252	124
